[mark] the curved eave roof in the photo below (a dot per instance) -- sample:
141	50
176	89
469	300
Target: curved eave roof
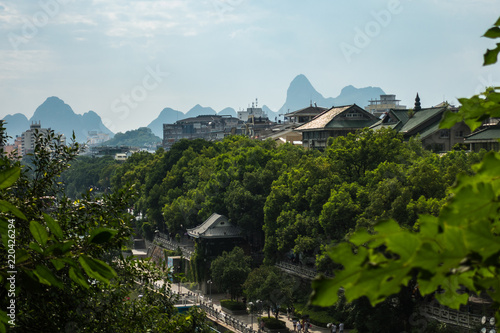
221	232
210	229
486	135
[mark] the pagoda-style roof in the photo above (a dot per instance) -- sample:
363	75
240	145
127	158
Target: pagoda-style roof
410	123
216	226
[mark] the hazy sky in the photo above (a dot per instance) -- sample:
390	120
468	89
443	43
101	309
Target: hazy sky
129	59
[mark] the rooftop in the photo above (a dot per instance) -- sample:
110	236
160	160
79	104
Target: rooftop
325	119
216	226
310	110
490	133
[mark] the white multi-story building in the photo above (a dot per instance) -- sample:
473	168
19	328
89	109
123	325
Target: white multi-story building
380	106
96	138
208	127
252	112
29	137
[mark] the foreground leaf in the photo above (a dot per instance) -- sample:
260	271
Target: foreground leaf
54	226
97	269
101	235
39	233
9	177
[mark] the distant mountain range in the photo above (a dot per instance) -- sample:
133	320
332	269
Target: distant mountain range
301	94
57	115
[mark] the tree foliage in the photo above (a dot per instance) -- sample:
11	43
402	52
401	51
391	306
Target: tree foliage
357	181
270	286
88	174
230	270
141	137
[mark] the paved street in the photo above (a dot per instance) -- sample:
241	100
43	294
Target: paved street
247	319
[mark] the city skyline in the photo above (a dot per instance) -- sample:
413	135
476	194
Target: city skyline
128	60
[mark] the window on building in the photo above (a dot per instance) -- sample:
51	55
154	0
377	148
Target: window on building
444	133
459	134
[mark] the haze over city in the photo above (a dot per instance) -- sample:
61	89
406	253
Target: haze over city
128	60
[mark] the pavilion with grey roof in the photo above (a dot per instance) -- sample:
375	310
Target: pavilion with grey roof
216	226
216	235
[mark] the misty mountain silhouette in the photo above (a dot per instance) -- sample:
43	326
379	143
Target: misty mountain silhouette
57	115
301	94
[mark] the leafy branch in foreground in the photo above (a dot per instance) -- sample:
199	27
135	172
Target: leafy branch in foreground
452	255
69	275
458	248
476	109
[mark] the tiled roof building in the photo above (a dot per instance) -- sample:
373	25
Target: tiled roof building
486	138
216	226
304	115
216	235
208	127
425	124
334	122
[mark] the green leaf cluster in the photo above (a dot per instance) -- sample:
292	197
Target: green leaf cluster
271	287
141	137
230	270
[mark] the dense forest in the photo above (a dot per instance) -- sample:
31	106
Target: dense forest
289	201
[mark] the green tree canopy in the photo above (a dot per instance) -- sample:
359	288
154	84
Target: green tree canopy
230	270
269	285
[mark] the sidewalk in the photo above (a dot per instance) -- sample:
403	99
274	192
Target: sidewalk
247	319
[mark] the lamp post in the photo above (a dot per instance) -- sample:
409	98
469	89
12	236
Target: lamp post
179	277
258	306
485	322
250	306
209	282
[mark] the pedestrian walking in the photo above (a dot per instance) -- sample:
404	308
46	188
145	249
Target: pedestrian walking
294	322
299	326
341	328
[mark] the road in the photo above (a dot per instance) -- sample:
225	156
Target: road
249	320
